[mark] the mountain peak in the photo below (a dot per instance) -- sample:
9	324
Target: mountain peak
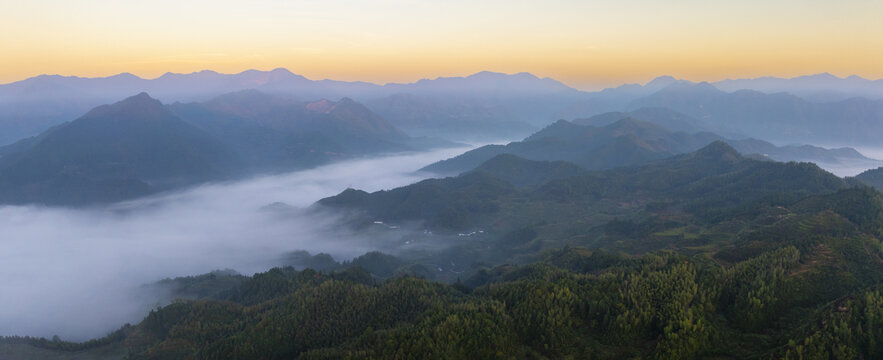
140	106
826	76
664	80
347	104
142	97
686	87
281	71
705	85
718	150
630	122
201	74
498	76
125	76
285	74
526	75
486	74
321	106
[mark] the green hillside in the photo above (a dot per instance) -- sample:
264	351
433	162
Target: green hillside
706	255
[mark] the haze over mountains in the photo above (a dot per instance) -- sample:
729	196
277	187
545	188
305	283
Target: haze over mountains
628	142
588	227
539	180
819	87
487	104
476	198
487	98
111	153
139	146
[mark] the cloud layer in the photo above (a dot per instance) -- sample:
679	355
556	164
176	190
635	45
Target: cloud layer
77	272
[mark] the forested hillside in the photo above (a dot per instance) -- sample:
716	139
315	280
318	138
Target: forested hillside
705	255
800	299
617	139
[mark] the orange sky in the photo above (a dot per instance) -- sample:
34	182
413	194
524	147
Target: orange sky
586	44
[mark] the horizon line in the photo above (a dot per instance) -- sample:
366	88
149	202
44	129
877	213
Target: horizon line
168	73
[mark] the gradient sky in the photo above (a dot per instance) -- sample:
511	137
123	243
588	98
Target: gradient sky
586	44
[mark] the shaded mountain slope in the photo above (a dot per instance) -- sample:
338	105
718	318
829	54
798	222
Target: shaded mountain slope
778	117
113	152
525	173
823	87
664	117
622	143
138	146
872	177
281	133
628	141
482	104
706	254
715	176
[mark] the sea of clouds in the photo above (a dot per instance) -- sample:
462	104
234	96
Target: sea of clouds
78	273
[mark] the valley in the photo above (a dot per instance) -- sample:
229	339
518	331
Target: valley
209	228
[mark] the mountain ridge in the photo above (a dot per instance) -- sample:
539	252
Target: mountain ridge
127	149
138	146
625	142
479	106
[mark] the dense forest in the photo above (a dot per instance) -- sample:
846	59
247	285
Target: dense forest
783	303
705	255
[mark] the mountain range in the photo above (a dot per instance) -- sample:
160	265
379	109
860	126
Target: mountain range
139	146
628	141
653	224
279	133
778	117
822	87
714	176
113	152
30	106
704	254
490	105
690	255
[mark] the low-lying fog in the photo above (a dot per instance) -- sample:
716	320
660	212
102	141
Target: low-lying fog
76	273
851	167
873	153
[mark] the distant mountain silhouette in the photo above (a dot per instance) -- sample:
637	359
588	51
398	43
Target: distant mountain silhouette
485	82
624	142
819	87
485	103
480	106
456	118
139	146
627	142
616	99
489	105
664	117
127	149
281	133
712	176
344	117
777	117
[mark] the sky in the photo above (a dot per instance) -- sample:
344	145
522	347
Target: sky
587	44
